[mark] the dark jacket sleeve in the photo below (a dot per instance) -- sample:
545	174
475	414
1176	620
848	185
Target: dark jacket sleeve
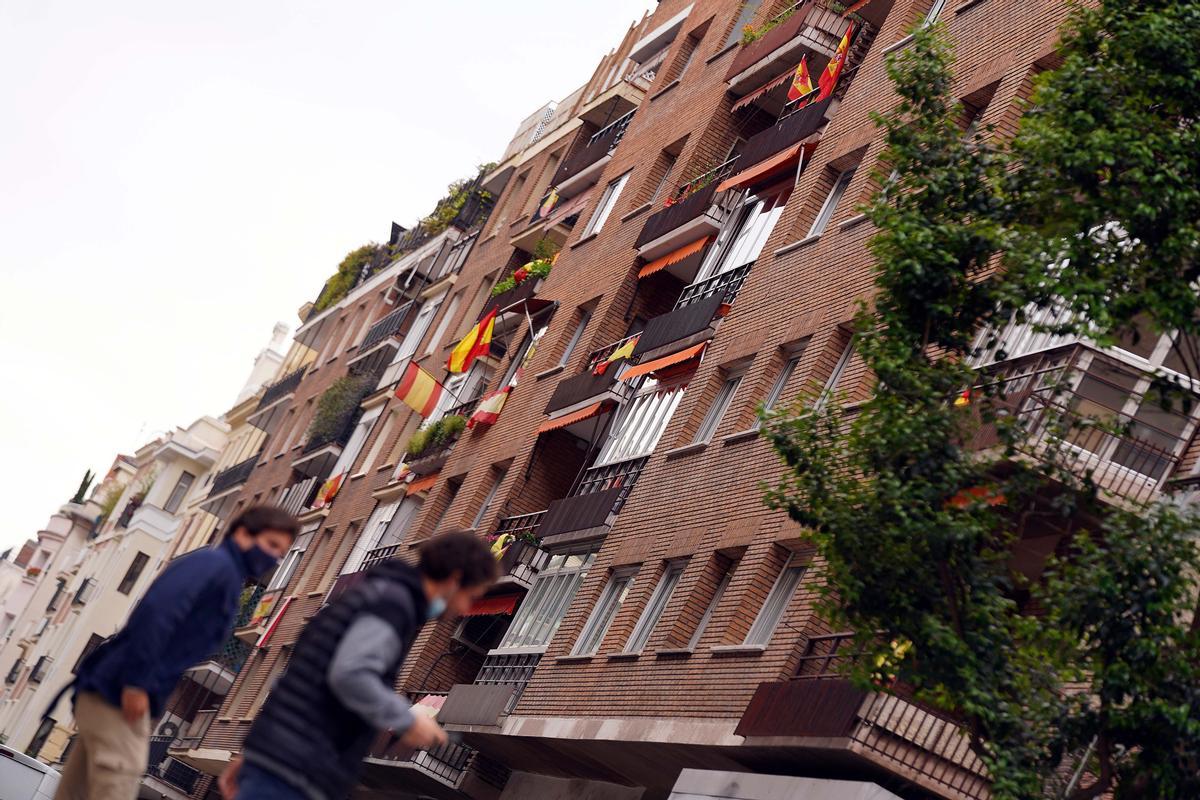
163	614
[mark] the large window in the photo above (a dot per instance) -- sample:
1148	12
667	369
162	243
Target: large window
133	573
604	208
935	9
745	17
835	376
779	386
641	423
776	604
439	333
711	608
585	316
417	332
493	490
712	420
541	323
654	609
287	567
742	242
603	614
354	445
543	609
179	492
831	202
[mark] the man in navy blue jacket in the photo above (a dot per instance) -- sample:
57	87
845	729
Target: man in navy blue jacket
182	619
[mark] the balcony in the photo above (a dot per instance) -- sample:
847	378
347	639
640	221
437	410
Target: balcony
177	775
805	29
380	554
583	167
594	504
789	130
586	388
218	672
434	772
1091	413
522	560
273	405
694	212
234	476
378	347
154	521
195	731
520	296
253	628
819	709
694	317
15	671
501	682
320	453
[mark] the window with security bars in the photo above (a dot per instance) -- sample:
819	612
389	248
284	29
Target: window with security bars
777	602
654	609
721	403
543	609
641	423
831	202
603	614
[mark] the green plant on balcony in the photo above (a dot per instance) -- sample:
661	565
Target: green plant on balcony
111	498
539	268
457	195
436	435
369	257
751	33
336	406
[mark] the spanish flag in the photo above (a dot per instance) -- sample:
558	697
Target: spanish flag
419	390
489	408
802	82
829	77
473	345
624	351
548	204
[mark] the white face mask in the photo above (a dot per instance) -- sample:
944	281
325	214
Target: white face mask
436	607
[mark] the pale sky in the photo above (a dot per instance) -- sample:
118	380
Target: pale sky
175	178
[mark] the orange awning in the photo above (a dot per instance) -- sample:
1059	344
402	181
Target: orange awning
760	91
421	484
675	257
666	361
484	606
764	169
573	417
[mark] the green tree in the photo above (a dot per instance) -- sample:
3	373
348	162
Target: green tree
915	529
84	485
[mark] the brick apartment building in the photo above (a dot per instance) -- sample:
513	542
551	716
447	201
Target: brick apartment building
654	629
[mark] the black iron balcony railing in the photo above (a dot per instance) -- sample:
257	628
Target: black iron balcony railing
299	496
448	763
195	731
514	670
233	476
127	513
621	475
464	409
726	285
601	355
826	656
522	560
795	127
684	324
519	524
168	769
602	142
1080	409
379	555
41	668
281	388
581	387
692	200
390	325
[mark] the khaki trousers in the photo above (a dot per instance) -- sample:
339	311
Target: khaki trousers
109	756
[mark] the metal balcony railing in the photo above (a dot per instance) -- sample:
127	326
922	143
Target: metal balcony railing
233	476
390	325
813	21
168	769
338	437
281	388
601	355
195	731
379	555
602	143
726	284
509	670
621	475
15	671
689	202
41	668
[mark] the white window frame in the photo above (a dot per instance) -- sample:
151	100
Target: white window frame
835	376
716	412
490	498
935	10
781	381
641	423
836	193
372	531
711	609
544	607
541	324
420	326
608	201
182	486
291	560
616	590
655	607
358	438
742	241
439	332
775	606
576	335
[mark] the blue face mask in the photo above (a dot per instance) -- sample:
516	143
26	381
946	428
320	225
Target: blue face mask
258	561
436	607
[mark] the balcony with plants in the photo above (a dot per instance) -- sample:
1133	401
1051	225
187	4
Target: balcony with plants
430	446
336	416
518	290
695	210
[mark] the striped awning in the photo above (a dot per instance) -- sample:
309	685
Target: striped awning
575	416
422	484
486	606
687	354
661	263
766	87
767	168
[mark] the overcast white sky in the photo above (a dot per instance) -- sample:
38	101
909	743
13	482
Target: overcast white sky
175	178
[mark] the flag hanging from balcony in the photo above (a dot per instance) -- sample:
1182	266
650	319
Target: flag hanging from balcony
801	83
548	204
419	390
473	345
489	408
328	491
624	351
829	77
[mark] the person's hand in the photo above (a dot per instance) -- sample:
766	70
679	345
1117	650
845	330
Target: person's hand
424	734
228	782
135	704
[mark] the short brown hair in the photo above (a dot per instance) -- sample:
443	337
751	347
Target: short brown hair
257	519
458	551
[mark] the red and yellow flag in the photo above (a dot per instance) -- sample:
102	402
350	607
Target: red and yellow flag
419	390
548	204
489	408
475	344
829	76
801	83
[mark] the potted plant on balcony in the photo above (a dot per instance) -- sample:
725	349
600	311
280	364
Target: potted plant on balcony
430	446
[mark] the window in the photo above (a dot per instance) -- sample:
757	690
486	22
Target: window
835	376
744	17
85	592
451	492
39	739
493	490
716	411
179	492
777	603
359	436
711	608
934	10
603	614
830	205
641	423
777	388
268	685
667	165
607	201
543	609
381	440
435	341
59	590
654	609
585	316
742	242
94	641
417	332
541	323
287	567
133	573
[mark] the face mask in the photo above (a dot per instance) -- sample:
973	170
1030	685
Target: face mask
436	607
258	561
